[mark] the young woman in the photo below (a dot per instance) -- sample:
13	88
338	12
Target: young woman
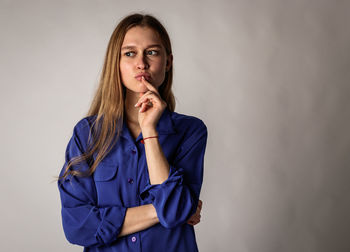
134	167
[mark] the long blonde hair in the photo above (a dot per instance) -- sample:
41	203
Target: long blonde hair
108	101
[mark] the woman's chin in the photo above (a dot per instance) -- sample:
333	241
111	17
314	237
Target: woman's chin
142	89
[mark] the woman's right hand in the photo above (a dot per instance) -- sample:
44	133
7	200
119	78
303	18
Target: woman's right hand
196	218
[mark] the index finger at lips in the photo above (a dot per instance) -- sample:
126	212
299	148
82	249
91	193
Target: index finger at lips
149	85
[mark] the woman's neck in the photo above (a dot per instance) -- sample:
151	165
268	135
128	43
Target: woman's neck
130	110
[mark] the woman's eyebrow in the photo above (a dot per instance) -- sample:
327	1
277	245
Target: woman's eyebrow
133	47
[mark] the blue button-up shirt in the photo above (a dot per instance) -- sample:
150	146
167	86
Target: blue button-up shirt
94	207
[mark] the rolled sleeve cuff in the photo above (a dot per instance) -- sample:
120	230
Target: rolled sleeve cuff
112	222
151	192
171	199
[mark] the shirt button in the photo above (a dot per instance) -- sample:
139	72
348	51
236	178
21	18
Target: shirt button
130	180
133	151
133	239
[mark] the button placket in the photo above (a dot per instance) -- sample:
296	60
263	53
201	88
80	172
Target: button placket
130	180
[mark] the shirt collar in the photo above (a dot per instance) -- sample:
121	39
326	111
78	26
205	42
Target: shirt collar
164	126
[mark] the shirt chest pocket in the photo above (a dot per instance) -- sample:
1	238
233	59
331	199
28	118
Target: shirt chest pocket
105	172
105	177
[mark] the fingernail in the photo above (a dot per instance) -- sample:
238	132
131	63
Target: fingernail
135	105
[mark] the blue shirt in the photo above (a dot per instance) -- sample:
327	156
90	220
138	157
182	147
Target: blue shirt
94	207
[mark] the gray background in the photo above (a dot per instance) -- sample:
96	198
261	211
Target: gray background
269	78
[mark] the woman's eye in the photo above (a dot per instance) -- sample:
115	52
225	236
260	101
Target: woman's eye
128	54
155	52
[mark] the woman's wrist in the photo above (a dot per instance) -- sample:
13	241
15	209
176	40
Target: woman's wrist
149	132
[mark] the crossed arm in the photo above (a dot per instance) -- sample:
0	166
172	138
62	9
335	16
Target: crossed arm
142	217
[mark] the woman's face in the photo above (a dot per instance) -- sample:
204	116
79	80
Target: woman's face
142	52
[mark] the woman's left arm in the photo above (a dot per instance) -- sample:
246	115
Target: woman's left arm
175	188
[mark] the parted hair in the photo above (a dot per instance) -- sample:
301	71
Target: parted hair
108	104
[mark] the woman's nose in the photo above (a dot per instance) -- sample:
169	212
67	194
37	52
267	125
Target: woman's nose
142	62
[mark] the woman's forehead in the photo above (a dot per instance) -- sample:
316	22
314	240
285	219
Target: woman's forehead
141	36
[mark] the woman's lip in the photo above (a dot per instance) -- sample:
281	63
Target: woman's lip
139	77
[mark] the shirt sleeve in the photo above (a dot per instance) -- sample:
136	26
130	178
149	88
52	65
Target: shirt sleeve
84	223
176	199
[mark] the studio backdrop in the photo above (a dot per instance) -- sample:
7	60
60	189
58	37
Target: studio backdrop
269	78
